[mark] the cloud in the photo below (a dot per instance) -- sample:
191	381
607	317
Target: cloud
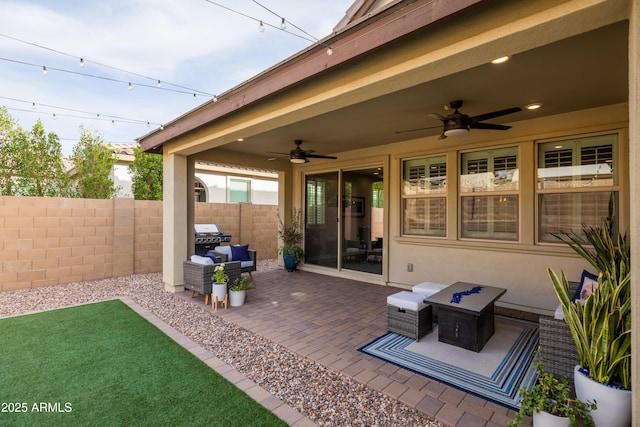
192	43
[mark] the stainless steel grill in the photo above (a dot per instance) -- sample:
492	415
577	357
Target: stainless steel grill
207	237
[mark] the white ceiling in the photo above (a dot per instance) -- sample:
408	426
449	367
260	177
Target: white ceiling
582	72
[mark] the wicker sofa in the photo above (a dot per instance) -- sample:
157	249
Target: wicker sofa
197	277
557	348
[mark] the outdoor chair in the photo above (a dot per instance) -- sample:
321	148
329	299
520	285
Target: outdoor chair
558	351
197	276
248	258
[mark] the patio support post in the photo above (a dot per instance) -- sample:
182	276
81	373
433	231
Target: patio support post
175	229
634	195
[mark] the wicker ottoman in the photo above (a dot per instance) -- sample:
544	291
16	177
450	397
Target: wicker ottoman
426	289
408	315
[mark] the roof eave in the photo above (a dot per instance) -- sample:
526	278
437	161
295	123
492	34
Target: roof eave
359	38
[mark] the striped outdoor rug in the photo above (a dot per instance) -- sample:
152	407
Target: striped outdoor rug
496	373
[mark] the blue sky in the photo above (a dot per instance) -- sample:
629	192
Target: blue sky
192	43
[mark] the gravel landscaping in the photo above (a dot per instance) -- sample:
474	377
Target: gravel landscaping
326	396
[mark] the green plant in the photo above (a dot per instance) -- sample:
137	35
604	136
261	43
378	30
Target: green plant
242	284
291	235
552	395
601	325
219	275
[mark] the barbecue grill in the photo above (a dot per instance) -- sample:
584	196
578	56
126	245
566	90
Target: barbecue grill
207	237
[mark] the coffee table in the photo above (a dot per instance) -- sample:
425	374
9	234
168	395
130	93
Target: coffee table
466	321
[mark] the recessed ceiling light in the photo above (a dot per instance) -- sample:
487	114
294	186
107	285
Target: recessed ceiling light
533	106
501	60
240	139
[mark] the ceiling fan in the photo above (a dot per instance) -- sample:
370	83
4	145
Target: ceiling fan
298	155
456	123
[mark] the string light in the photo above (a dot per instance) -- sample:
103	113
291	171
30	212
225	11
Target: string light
97	115
215	98
159	83
261	27
83	60
130	86
54	116
194	97
283	24
44	70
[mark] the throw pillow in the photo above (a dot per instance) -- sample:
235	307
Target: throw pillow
587	281
240	252
213	257
197	259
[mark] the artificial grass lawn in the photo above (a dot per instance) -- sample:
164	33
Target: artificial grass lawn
103	364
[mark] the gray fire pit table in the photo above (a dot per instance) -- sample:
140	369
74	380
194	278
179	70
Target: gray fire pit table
465	314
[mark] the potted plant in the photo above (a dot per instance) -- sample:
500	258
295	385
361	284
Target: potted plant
550	403
601	324
219	285
291	236
238	291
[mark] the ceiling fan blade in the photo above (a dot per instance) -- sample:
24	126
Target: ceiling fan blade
487	116
320	156
415	130
437	116
488	126
275	152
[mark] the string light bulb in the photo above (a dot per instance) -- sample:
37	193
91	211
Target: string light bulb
329	51
54	116
215	98
261	27
130	86
44	70
113	122
33	105
194	97
283	24
81	62
159	83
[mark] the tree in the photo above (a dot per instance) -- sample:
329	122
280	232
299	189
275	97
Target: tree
8	152
146	175
93	164
38	166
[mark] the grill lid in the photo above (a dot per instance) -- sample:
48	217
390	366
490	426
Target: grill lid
207	229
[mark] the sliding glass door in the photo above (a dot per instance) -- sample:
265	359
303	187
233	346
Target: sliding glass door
321	220
360	213
362	220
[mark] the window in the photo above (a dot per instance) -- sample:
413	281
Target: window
577	180
316	206
239	190
489	194
424	200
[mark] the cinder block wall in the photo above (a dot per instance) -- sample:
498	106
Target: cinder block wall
53	241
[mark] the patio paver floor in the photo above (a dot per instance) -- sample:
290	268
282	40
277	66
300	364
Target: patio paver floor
327	319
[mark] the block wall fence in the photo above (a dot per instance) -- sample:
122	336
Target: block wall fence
46	241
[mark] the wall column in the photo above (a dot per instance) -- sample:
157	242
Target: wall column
175	236
634	195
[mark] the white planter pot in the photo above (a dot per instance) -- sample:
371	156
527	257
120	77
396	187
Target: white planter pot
236	298
545	419
614	405
219	291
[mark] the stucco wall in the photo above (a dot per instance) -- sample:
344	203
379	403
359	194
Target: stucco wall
53	241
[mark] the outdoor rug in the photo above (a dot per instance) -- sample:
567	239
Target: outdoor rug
496	373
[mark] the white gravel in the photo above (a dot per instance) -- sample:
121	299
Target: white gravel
327	397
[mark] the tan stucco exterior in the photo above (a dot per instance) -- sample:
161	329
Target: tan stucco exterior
476	39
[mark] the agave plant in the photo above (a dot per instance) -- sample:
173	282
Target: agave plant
601	325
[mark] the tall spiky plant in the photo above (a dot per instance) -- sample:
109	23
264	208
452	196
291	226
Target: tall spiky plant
601	327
